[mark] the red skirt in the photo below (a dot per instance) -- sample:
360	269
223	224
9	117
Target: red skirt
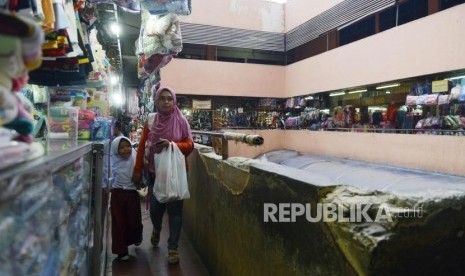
126	220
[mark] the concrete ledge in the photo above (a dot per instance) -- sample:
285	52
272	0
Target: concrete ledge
225	218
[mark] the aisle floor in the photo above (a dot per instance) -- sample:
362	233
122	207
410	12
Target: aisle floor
148	260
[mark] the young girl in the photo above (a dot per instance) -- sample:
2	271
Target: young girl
126	219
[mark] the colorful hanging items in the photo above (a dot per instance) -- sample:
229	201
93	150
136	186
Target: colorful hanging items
181	7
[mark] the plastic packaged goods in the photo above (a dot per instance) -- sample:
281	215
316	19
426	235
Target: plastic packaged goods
62	115
132	6
181	7
45	215
13	152
159	34
65	126
27	240
101	129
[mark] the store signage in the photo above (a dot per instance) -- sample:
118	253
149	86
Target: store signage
196	104
373	101
440	86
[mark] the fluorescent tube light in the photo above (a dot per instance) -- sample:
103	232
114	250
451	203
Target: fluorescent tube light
387	86
358	91
309	98
337	94
456	78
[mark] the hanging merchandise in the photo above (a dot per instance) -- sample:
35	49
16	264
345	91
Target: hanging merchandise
159	39
431	100
132	101
100	64
68	52
11	61
20	52
161	24
132	6
443	99
48	221
455	93
87	14
101	129
461	98
99	102
181	7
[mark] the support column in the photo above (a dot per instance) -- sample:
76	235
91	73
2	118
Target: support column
211	52
333	39
434	6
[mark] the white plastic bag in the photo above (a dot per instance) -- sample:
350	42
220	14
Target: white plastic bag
170	175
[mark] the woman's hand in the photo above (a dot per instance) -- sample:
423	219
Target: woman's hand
162	143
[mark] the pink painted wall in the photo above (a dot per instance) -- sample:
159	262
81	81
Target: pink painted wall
256	15
429	45
442	154
432	44
297	12
202	77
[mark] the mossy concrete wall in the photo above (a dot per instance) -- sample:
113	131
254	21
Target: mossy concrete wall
224	220
225	223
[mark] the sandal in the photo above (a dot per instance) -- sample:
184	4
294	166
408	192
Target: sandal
173	256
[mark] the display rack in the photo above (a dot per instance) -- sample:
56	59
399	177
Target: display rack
202	120
48	217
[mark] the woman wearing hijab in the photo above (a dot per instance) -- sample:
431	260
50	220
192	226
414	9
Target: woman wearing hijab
126	218
165	126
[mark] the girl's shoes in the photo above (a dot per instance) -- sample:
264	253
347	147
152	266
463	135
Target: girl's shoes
155	239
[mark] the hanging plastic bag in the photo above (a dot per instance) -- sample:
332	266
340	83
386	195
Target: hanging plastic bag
181	7
159	34
170	175
132	6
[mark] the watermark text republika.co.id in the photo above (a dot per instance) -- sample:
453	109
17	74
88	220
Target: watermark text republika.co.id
333	212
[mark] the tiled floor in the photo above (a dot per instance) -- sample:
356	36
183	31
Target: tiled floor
149	260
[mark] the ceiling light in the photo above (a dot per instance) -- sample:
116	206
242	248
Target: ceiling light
337	94
114	79
117	99
456	78
309	98
387	86
115	28
388	92
358	91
